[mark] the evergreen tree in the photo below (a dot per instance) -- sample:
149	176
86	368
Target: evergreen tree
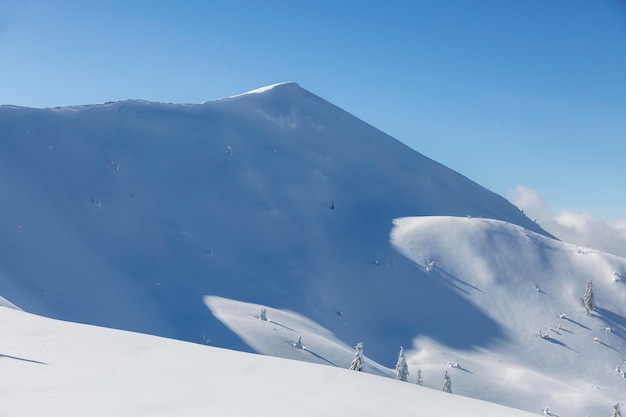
263	315
419	377
357	362
402	370
616	411
588	298
298	344
447	384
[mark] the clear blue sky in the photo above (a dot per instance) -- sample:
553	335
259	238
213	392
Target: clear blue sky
508	93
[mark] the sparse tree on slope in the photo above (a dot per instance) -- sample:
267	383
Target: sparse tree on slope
447	384
588	298
616	411
357	362
402	370
298	343
419	377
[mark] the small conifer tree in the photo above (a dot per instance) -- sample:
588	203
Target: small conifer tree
357	362
447	384
298	344
402	370
616	411
588	298
419	377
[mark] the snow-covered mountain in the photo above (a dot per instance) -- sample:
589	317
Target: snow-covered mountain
127	214
186	221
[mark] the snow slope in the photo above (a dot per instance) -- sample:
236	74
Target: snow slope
127	214
524	283
527	284
278	335
60	369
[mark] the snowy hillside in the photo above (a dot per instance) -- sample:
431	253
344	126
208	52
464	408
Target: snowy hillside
520	285
527	285
127	214
60	369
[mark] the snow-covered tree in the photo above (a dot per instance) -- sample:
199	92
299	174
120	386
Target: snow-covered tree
357	362
588	298
402	370
419	381
263	315
616	411
543	335
447	384
298	343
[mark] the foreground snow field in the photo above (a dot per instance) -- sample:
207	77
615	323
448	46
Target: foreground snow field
58	369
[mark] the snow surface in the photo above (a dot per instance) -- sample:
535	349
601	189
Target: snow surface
185	221
58	369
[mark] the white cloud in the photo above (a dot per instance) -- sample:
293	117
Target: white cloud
579	228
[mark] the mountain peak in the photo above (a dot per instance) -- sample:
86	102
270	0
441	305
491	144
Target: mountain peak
287	84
